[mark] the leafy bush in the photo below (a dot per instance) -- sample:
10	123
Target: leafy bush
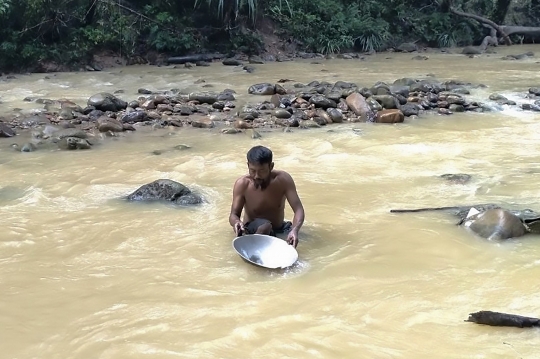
328	26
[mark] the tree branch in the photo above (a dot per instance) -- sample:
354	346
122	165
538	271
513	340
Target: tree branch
482	20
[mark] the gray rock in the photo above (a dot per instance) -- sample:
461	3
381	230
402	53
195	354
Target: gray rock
262	89
410	109
73	143
281	113
105	101
106	124
165	190
232	62
134	116
322	101
204	97
6	131
28	147
335	115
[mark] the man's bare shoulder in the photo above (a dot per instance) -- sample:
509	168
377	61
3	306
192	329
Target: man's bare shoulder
242	182
284	177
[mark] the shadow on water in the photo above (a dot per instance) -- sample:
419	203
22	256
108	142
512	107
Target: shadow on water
11	193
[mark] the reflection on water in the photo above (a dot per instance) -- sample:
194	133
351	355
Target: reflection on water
86	274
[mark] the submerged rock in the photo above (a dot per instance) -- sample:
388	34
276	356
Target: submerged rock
6	131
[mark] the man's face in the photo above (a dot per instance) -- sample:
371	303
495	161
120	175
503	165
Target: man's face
260	174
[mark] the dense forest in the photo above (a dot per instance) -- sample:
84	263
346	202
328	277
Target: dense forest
71	32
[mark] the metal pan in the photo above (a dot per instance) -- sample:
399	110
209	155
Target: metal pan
265	251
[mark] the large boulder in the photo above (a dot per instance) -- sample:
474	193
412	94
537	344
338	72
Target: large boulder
495	224
165	190
105	101
357	103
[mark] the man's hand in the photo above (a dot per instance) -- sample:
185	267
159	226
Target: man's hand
292	238
239	228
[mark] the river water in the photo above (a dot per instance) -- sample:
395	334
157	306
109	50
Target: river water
86	275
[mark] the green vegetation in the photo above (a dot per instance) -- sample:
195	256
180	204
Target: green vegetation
70	31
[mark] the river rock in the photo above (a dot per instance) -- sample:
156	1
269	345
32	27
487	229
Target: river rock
281	113
255	60
165	190
535	91
73	143
280	90
390	116
134	116
202	122
72	106
400	90
427	86
34	120
380	88
405	81
322	101
458	178
66	114
357	104
226	96
335	115
232	62
6	131
386	101
530	107
204	97
106	124
454	107
407	47
308	124
28	147
322	114
105	101
410	109
262	89
242	124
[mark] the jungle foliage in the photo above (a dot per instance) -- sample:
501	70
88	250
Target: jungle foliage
71	31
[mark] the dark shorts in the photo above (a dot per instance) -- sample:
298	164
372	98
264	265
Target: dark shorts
252	226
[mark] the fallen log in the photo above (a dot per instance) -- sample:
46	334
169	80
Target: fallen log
194	58
497	319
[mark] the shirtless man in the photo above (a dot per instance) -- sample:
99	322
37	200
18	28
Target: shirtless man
262	195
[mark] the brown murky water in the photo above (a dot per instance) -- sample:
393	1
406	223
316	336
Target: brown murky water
85	275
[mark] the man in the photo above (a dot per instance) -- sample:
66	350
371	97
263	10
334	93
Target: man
262	195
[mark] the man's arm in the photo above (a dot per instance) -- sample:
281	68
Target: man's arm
294	201
238	202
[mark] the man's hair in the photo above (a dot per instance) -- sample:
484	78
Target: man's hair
259	155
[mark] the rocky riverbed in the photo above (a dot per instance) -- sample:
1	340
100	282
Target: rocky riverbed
283	105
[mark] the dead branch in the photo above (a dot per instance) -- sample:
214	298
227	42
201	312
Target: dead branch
483	20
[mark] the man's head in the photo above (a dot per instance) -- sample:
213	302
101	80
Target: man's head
260	165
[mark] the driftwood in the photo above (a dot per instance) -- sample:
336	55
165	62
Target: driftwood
504	30
194	58
497	319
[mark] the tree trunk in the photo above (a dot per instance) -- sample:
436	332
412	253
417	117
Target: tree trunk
501	9
523	30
